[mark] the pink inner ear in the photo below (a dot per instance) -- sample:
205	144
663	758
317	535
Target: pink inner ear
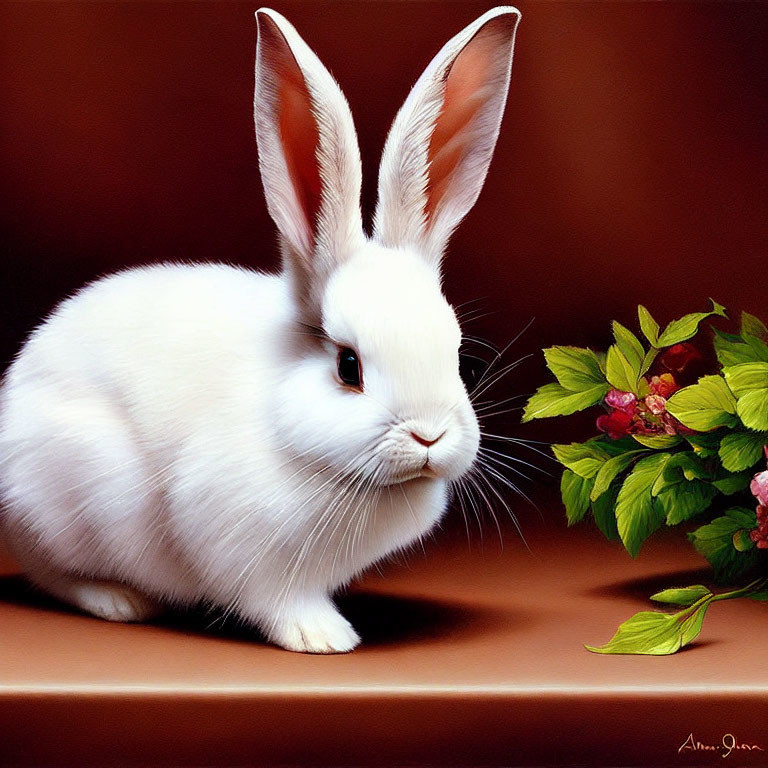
300	137
298	130
466	93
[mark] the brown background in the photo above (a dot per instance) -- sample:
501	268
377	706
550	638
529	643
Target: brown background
631	166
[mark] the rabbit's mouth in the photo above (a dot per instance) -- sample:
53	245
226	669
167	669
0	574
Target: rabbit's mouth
418	473
427	471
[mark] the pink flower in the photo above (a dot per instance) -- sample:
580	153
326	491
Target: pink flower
621	401
760	534
656	404
759	487
616	423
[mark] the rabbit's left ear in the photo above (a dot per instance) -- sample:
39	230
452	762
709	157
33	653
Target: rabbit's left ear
439	147
308	154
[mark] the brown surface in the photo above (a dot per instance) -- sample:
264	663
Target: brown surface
470	655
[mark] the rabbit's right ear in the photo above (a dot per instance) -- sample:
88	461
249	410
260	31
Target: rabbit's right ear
308	154
437	152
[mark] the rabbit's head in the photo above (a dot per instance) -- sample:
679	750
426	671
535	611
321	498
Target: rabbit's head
376	389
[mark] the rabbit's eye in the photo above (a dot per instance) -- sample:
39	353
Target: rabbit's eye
350	371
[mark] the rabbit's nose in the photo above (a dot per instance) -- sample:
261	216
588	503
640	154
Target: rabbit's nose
424	441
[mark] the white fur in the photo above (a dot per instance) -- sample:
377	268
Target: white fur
177	433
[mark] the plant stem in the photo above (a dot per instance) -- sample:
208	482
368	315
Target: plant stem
754	586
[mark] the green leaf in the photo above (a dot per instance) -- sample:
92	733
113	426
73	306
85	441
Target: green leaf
742	450
555	400
752	409
746	377
655	634
758	348
611	447
585	459
648	326
620	372
704	445
731	484
749	382
575	492
610	469
732	350
658	442
601	361
752	326
638	514
686	465
682	595
685	327
715	542
575	368
603	512
705	405
650	356
685	500
743	516
762	595
629	345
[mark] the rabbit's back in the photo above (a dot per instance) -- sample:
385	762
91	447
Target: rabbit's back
152	341
140	381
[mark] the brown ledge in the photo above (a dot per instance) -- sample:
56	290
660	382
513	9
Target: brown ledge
471	655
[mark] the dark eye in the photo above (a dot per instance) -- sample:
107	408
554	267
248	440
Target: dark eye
350	371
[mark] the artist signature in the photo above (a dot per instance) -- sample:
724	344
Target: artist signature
728	744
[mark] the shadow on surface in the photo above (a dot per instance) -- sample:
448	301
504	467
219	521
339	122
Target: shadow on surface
383	619
643	588
380	619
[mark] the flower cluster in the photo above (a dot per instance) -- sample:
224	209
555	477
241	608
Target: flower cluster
759	488
684	429
630	415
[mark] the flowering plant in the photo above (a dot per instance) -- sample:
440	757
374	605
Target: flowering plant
682	441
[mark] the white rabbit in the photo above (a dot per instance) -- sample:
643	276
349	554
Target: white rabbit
179	434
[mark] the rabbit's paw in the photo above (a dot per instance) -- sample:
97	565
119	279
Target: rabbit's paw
114	602
321	629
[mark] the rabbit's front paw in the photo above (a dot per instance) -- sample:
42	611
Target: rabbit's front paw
320	629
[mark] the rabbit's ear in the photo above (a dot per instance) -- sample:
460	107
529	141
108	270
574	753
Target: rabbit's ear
308	152
437	152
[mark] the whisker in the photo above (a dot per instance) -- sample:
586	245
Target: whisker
499	462
506	481
496	493
481	342
496	377
505	457
493	414
458	488
501	438
474	316
485	405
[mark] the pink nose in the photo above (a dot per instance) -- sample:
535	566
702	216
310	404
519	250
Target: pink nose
424	441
